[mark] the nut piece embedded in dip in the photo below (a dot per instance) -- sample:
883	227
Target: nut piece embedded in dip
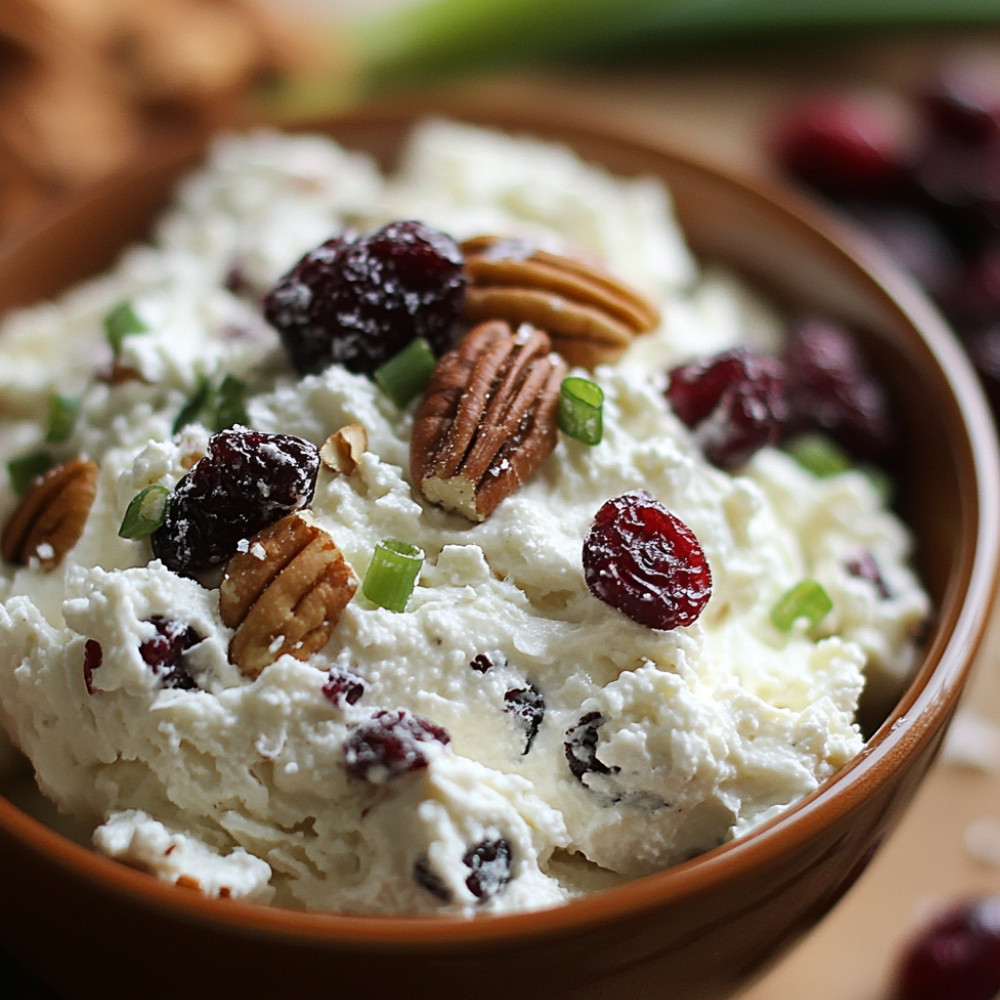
383	596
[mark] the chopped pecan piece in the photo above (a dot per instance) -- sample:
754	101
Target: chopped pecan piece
284	594
488	419
343	449
50	518
590	315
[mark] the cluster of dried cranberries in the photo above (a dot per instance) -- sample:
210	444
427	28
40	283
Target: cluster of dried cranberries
922	175
738	401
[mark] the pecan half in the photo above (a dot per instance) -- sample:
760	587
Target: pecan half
590	315
284	594
50	518
488	419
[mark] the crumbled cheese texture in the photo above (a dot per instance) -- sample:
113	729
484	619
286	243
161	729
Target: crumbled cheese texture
240	787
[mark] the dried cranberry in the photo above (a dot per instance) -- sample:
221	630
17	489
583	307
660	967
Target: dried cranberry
343	688
246	481
490	864
527	706
829	389
164	651
389	745
481	663
580	747
961	103
956	957
733	401
958	184
864	567
840	144
357	301
914	242
644	561
93	656
973	298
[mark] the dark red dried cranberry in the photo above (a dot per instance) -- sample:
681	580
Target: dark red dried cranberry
389	745
955	957
830	389
425	876
864	567
914	241
733	401
644	561
93	656
973	298
164	652
343	688
958	184
843	144
961	103
527	706
580	747
490	863
357	301
481	663
246	481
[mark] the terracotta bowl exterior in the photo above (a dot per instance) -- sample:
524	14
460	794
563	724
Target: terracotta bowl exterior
89	926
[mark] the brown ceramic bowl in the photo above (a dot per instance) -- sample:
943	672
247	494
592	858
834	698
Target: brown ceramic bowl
89	926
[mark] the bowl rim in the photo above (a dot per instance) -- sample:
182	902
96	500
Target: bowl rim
918	718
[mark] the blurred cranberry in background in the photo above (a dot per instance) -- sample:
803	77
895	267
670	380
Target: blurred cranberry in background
920	173
954	957
843	145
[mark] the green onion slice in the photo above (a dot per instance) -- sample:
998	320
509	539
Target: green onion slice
581	408
819	455
807	600
392	574
230	407
23	471
63	411
405	374
122	322
197	402
145	512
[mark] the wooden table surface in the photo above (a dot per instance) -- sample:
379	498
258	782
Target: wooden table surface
949	843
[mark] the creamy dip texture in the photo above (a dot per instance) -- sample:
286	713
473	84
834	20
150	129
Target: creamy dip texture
238	785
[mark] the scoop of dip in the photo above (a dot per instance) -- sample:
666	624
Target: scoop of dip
217	660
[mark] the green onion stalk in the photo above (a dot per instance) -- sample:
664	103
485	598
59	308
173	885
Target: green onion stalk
376	51
433	38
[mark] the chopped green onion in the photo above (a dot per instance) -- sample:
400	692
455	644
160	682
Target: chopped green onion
230	407
392	574
581	408
25	470
145	512
197	402
807	599
63	411
120	323
406	373
819	455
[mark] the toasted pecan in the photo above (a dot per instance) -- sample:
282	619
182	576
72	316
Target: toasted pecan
591	316
284	594
488	419
51	516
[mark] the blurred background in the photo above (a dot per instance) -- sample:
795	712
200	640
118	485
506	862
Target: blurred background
886	110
